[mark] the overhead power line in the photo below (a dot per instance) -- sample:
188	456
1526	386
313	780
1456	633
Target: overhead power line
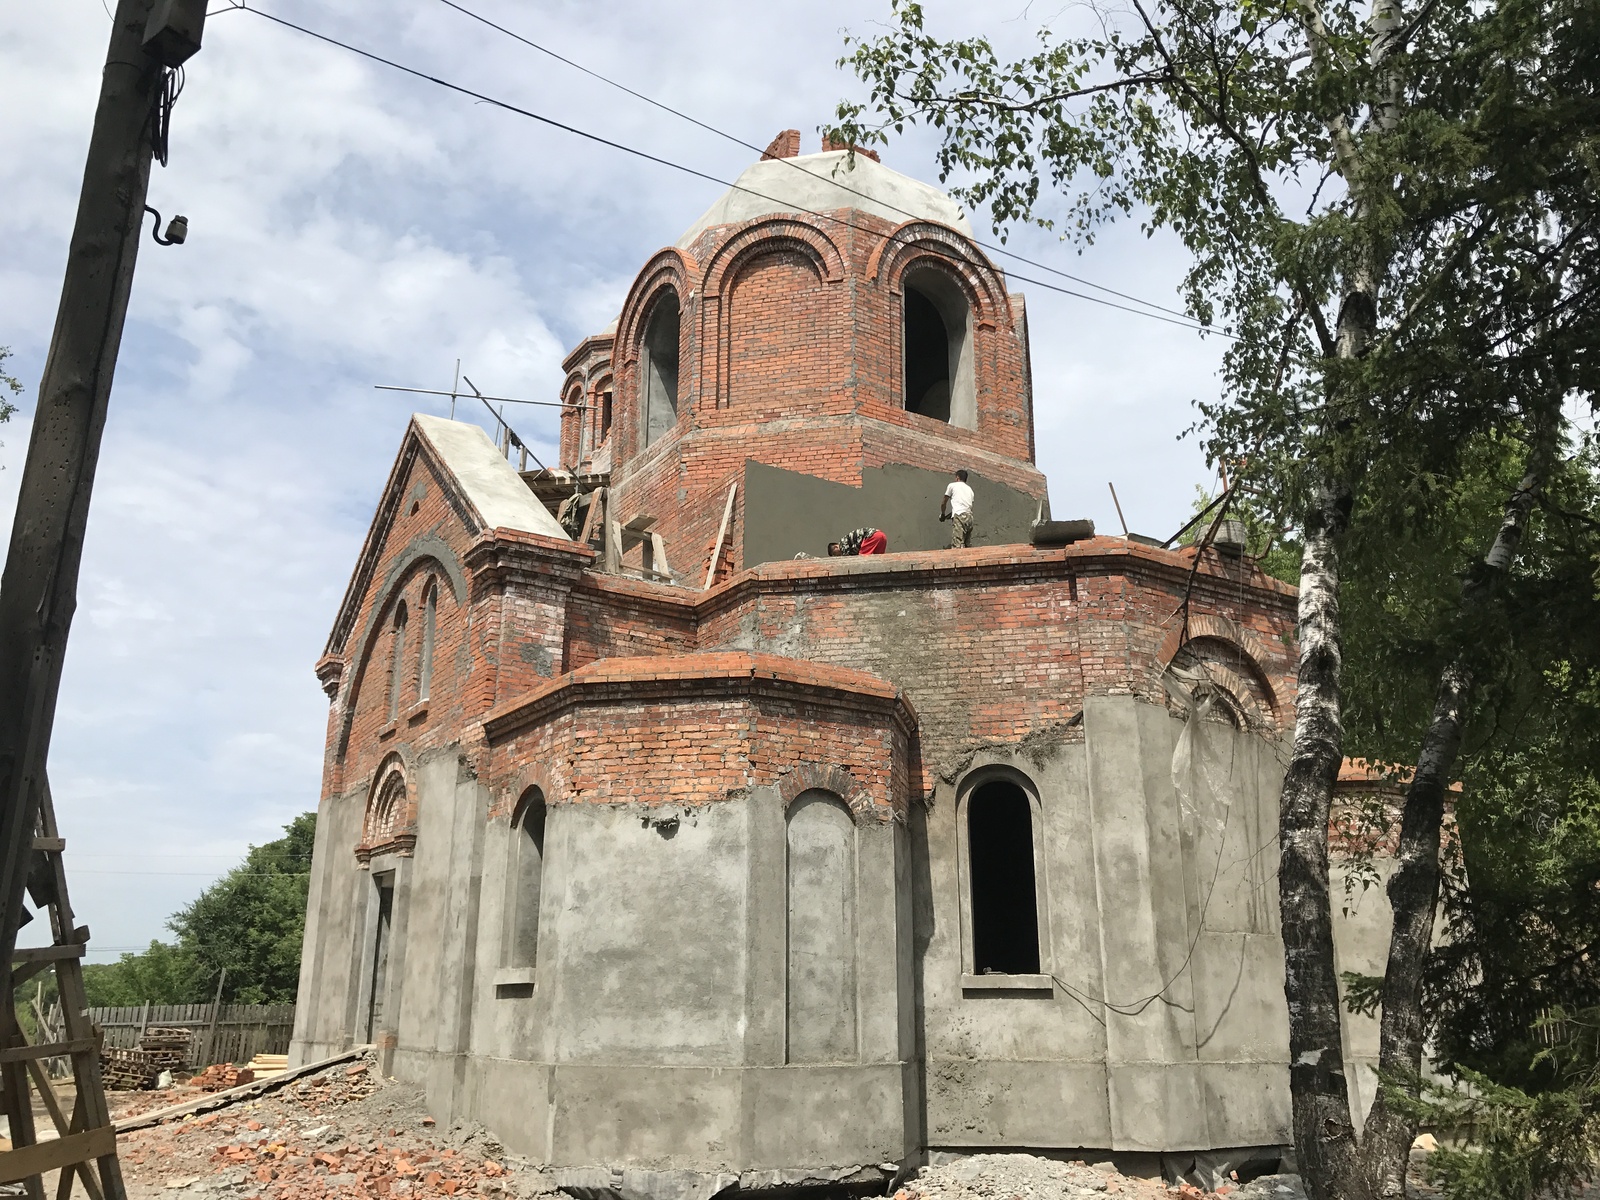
739	141
1183	323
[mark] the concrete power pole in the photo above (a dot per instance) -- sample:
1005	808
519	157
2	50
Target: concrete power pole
38	591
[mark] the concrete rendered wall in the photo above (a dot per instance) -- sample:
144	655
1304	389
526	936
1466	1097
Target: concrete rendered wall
655	1032
786	512
1192	1052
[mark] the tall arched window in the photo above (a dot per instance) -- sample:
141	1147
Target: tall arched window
525	876
430	621
659	369
397	661
1002	887
938	348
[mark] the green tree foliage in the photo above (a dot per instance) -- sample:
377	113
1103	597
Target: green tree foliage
250	922
8	384
162	974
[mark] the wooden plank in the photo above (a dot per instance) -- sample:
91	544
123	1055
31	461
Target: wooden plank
61	1152
722	532
63	1128
13	1054
46	954
245	1091
52	844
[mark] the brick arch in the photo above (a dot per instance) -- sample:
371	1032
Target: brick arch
390	821
1266	670
669	269
757	239
533	775
820	777
920	243
419	559
572	395
766	235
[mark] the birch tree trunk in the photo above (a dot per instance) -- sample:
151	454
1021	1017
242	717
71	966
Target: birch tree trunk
1319	1094
1414	887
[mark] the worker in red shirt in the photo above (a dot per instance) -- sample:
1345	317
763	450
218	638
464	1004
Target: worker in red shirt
859	541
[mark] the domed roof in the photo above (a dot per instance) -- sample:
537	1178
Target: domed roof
777	186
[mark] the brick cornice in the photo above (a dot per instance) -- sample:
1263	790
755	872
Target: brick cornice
714	674
512	555
1005	565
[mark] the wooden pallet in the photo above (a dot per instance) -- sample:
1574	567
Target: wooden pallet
85	1147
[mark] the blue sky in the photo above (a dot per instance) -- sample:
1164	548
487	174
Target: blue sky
352	226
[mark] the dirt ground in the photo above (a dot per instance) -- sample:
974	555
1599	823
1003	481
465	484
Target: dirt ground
348	1132
343	1133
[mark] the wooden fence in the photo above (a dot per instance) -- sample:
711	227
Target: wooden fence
227	1033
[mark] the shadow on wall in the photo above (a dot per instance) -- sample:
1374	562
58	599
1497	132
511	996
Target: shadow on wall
786	512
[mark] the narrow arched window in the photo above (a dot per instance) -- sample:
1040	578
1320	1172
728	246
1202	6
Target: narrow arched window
525	878
1003	889
937	349
605	414
430	620
397	661
659	369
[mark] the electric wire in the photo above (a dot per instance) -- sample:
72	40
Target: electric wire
599	139
739	141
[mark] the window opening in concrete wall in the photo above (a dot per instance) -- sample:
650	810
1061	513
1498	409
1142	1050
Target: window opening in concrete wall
430	621
1004	893
821	888
379	982
526	877
397	661
659	373
938	351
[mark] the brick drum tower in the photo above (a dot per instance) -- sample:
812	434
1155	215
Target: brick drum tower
687	862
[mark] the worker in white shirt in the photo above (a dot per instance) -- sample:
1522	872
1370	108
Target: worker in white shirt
957	509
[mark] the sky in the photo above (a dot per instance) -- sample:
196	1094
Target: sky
352	226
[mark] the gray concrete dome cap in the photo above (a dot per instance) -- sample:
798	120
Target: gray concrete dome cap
868	186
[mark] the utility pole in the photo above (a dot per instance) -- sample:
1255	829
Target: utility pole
38	590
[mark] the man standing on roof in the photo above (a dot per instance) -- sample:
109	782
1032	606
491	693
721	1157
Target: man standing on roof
859	541
957	509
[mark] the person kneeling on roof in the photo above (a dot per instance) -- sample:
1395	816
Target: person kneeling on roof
860	541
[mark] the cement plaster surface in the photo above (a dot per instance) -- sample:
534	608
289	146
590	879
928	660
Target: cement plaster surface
787	512
813	183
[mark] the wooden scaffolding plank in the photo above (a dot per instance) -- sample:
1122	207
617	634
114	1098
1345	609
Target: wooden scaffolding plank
72	1152
66	1151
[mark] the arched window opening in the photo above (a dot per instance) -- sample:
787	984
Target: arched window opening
1004	892
659	373
821	886
430	621
526	877
605	414
397	661
938	352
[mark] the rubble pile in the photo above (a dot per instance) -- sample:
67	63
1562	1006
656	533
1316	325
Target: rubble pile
1007	1176
344	1133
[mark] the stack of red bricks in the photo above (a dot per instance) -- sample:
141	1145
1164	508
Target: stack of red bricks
219	1077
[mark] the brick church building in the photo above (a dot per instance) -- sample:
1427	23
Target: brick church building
685	857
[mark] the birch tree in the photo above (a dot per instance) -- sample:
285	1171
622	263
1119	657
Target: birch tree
1387	212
